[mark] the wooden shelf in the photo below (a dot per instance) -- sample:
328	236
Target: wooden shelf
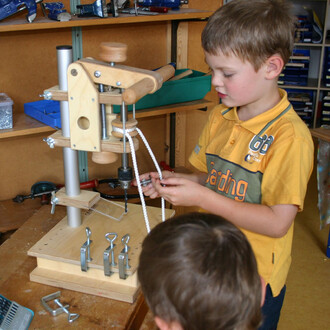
24	125
172	108
321	133
43	23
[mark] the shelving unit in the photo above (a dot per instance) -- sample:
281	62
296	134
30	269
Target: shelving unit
26	75
317	51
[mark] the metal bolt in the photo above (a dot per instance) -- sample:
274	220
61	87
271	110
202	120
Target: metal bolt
88	234
97	74
74	72
111	240
125	239
50	142
118	83
47	95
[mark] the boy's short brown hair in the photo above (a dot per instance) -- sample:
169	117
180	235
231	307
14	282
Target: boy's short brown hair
199	270
253	30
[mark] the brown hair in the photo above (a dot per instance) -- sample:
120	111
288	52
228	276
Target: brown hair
199	270
253	30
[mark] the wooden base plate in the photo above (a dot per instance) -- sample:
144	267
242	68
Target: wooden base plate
58	252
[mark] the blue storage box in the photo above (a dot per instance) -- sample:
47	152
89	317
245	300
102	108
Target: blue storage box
46	111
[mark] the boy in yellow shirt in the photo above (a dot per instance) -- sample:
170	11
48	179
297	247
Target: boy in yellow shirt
255	155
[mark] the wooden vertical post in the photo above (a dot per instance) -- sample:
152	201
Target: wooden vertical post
180	129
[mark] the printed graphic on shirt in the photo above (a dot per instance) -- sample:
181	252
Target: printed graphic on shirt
197	149
259	146
232	180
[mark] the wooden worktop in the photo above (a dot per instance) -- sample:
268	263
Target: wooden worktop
95	312
321	133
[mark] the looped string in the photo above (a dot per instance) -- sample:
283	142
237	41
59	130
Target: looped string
136	170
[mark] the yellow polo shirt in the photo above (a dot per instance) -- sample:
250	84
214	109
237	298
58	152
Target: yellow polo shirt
265	160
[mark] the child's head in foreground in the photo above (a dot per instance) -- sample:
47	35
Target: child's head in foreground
198	271
252	30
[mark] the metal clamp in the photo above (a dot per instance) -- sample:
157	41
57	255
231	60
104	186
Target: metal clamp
71	316
50	297
123	261
109	251
85	251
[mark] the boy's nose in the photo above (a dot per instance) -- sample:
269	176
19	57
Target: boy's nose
216	80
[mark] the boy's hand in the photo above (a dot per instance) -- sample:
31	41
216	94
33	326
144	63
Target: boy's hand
179	191
149	189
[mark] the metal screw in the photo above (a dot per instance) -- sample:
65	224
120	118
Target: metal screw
125	239
88	233
97	74
71	316
74	72
118	83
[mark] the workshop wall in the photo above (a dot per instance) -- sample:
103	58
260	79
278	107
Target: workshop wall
28	66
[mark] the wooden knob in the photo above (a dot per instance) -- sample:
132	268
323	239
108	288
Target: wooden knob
104	157
113	52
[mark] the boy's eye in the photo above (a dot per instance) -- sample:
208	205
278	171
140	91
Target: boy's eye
228	75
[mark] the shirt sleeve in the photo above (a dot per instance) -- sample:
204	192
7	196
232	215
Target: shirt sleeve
287	173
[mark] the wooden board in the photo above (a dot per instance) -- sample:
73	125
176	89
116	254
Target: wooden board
58	252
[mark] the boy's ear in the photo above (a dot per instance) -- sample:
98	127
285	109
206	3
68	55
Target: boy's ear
274	66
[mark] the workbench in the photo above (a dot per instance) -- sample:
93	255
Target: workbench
16	266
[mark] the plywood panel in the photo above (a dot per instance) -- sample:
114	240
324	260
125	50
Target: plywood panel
28	63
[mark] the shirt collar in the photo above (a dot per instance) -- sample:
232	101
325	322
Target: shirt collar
257	123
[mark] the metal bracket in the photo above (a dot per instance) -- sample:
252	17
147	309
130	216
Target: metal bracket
50	297
109	251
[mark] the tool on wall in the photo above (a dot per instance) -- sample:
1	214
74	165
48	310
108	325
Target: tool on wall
173	4
56	11
11	7
44	189
97	8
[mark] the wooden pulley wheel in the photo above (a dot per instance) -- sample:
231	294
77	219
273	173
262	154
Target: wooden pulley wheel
131	123
113	52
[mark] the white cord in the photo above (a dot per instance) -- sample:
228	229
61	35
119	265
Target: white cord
156	165
136	171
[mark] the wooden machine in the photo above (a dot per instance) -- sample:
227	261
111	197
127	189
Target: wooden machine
95	248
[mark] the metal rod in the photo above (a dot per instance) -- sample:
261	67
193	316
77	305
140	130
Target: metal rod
103	116
70	157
